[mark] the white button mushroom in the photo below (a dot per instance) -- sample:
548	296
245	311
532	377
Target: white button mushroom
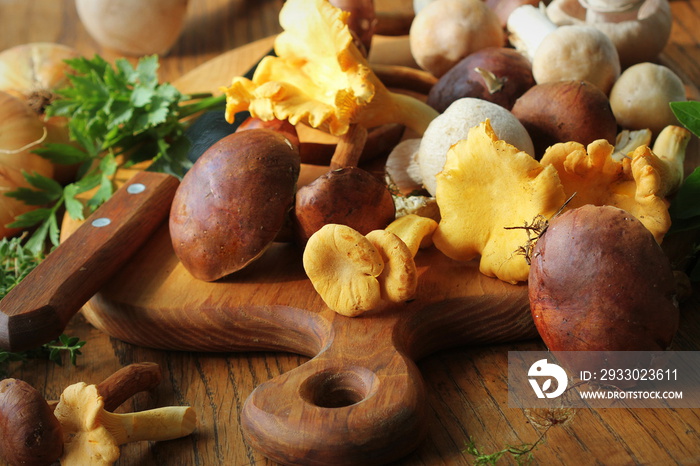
454	124
578	52
562	53
639	29
640	97
445	31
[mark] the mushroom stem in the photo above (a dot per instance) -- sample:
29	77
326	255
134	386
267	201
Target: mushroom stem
157	424
404	77
415	231
349	149
93	435
628	140
527	27
128	381
670	147
415	114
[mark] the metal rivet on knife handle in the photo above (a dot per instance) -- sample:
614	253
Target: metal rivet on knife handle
38	309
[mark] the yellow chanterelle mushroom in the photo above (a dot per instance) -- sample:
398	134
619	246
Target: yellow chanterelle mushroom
637	183
355	274
319	77
486	190
343	267
93	436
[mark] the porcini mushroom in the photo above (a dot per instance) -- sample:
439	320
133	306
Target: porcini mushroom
346	194
497	74
564	111
233	202
344	266
577	52
350	196
320	78
29	432
93	435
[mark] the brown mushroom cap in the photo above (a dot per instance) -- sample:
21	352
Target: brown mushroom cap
343	267
598	273
29	432
350	195
497	74
233	202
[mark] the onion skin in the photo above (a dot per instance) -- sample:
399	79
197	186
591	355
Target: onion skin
599	281
20	127
32	68
33	73
134	27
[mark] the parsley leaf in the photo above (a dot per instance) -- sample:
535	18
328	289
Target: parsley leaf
117	116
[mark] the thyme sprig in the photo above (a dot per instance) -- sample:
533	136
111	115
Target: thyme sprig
16	262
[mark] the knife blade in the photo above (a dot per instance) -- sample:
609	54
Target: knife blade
38	309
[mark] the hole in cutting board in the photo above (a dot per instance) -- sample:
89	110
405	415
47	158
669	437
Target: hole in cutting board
337	388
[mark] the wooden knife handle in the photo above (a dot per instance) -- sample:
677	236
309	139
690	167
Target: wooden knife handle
37	310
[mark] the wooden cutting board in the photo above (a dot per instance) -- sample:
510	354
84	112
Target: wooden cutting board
361	398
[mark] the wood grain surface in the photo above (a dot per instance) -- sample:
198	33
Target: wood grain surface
465	386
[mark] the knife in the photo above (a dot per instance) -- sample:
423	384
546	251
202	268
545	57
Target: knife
38	309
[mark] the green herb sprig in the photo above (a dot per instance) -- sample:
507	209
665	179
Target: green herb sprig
16	261
523	454
117	116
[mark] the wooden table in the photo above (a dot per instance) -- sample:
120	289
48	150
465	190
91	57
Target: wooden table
466	386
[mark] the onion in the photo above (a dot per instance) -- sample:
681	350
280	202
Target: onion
20	131
134	27
33	73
